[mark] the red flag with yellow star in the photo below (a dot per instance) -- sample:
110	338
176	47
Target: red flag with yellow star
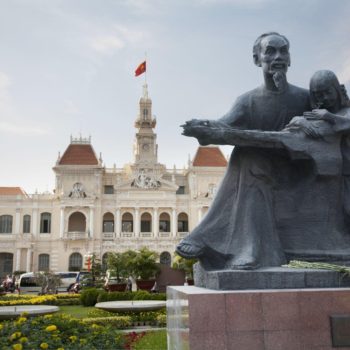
140	69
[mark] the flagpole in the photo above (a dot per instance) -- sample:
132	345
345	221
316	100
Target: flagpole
146	68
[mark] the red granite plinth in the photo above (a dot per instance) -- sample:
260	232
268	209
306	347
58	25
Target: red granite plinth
292	319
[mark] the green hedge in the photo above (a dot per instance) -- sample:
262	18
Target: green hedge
67	301
88	297
137	318
114	321
139	295
161	320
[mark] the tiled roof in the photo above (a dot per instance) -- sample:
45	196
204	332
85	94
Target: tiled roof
11	191
79	154
209	156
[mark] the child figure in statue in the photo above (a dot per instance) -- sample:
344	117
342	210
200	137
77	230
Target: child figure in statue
332	104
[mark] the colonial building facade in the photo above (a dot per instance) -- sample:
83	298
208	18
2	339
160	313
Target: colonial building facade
95	209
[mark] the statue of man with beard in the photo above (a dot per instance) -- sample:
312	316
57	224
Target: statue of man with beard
239	230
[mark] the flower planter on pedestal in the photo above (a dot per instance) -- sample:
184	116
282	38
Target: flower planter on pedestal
145	284
121	287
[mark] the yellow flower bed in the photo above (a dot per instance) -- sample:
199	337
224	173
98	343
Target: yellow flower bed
37	300
57	332
34	300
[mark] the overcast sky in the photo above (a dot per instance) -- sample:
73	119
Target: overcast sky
67	67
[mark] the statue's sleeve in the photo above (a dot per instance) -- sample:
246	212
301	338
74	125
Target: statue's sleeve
238	115
342	123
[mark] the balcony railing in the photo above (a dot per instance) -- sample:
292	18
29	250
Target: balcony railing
108	235
127	234
182	234
8	236
75	235
146	234
164	234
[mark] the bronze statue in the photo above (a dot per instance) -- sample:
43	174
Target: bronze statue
280	196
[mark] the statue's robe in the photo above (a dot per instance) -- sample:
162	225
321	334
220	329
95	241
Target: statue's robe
279	197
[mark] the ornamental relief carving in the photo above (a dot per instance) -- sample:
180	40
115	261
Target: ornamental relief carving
145	181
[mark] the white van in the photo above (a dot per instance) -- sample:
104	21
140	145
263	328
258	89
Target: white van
67	280
28	284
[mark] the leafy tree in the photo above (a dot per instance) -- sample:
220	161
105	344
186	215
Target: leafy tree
138	264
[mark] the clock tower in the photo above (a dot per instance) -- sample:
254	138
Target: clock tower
145	147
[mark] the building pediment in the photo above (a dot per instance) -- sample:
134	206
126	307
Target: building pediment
146	184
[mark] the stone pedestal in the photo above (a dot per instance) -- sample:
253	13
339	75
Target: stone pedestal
269	278
279	319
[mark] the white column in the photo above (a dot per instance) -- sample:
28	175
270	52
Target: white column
29	258
117	226
155	224
18	259
17	221
35	222
91	222
61	222
200	214
137	222
174	223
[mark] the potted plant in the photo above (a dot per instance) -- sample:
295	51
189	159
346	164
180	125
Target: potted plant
185	264
145	268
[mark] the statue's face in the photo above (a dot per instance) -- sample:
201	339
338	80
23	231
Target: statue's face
274	55
325	95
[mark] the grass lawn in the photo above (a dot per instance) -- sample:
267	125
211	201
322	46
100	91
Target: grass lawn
77	311
156	340
153	340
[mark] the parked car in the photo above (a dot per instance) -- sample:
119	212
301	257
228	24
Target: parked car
28	284
69	279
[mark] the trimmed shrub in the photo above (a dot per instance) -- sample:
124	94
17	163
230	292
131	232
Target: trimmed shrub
88	297
161	320
114	321
100	313
137	318
139	295
68	301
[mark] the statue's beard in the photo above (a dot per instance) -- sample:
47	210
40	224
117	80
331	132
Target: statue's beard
280	80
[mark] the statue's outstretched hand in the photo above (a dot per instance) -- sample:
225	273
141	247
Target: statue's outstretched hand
200	129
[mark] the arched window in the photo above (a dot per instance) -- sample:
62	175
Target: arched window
77	222
145	113
6	264
165	258
45	223
6	224
108	223
127	223
182	222
104	262
44	262
164	222
26	224
75	262
146	222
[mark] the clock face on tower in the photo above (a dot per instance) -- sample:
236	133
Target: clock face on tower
145	147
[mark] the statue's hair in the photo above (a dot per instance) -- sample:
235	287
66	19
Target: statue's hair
331	79
257	47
